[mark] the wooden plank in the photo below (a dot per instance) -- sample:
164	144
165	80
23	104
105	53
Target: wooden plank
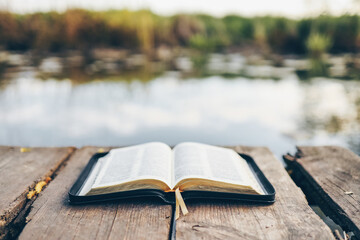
53	218
19	172
330	176
290	217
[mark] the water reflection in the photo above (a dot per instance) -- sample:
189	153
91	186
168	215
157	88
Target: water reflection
261	112
331	113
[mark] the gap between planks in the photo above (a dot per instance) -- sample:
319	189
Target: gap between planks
21	170
329	176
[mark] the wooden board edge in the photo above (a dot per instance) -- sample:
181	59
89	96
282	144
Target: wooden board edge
14	219
315	194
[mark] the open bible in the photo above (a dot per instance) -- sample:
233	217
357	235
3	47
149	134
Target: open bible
186	167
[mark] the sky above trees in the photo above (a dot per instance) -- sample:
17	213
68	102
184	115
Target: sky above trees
292	9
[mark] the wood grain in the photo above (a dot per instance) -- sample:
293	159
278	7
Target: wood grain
330	176
290	217
19	172
53	218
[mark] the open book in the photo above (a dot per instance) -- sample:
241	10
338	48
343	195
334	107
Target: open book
187	167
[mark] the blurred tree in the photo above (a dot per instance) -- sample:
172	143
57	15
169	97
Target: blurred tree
163	34
215	32
10	34
239	29
303	30
318	45
145	31
121	28
260	37
83	29
45	31
281	35
185	26
346	34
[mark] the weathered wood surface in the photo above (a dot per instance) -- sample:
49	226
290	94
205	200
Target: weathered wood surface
19	173
290	217
53	218
330	176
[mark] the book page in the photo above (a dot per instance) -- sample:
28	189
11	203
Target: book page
91	178
195	160
145	161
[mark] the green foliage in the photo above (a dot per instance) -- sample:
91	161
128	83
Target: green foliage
318	67
346	33
186	26
143	31
201	43
215	32
318	44
202	46
240	29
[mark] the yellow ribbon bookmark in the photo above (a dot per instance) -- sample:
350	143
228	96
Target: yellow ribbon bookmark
179	204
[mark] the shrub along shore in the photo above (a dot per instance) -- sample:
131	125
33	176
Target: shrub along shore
143	31
122	39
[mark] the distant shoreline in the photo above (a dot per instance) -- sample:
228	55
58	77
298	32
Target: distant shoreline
143	31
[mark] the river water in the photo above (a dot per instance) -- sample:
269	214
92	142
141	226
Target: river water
279	114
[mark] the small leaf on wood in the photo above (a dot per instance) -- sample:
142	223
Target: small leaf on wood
39	186
101	150
47	179
31	194
23	149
